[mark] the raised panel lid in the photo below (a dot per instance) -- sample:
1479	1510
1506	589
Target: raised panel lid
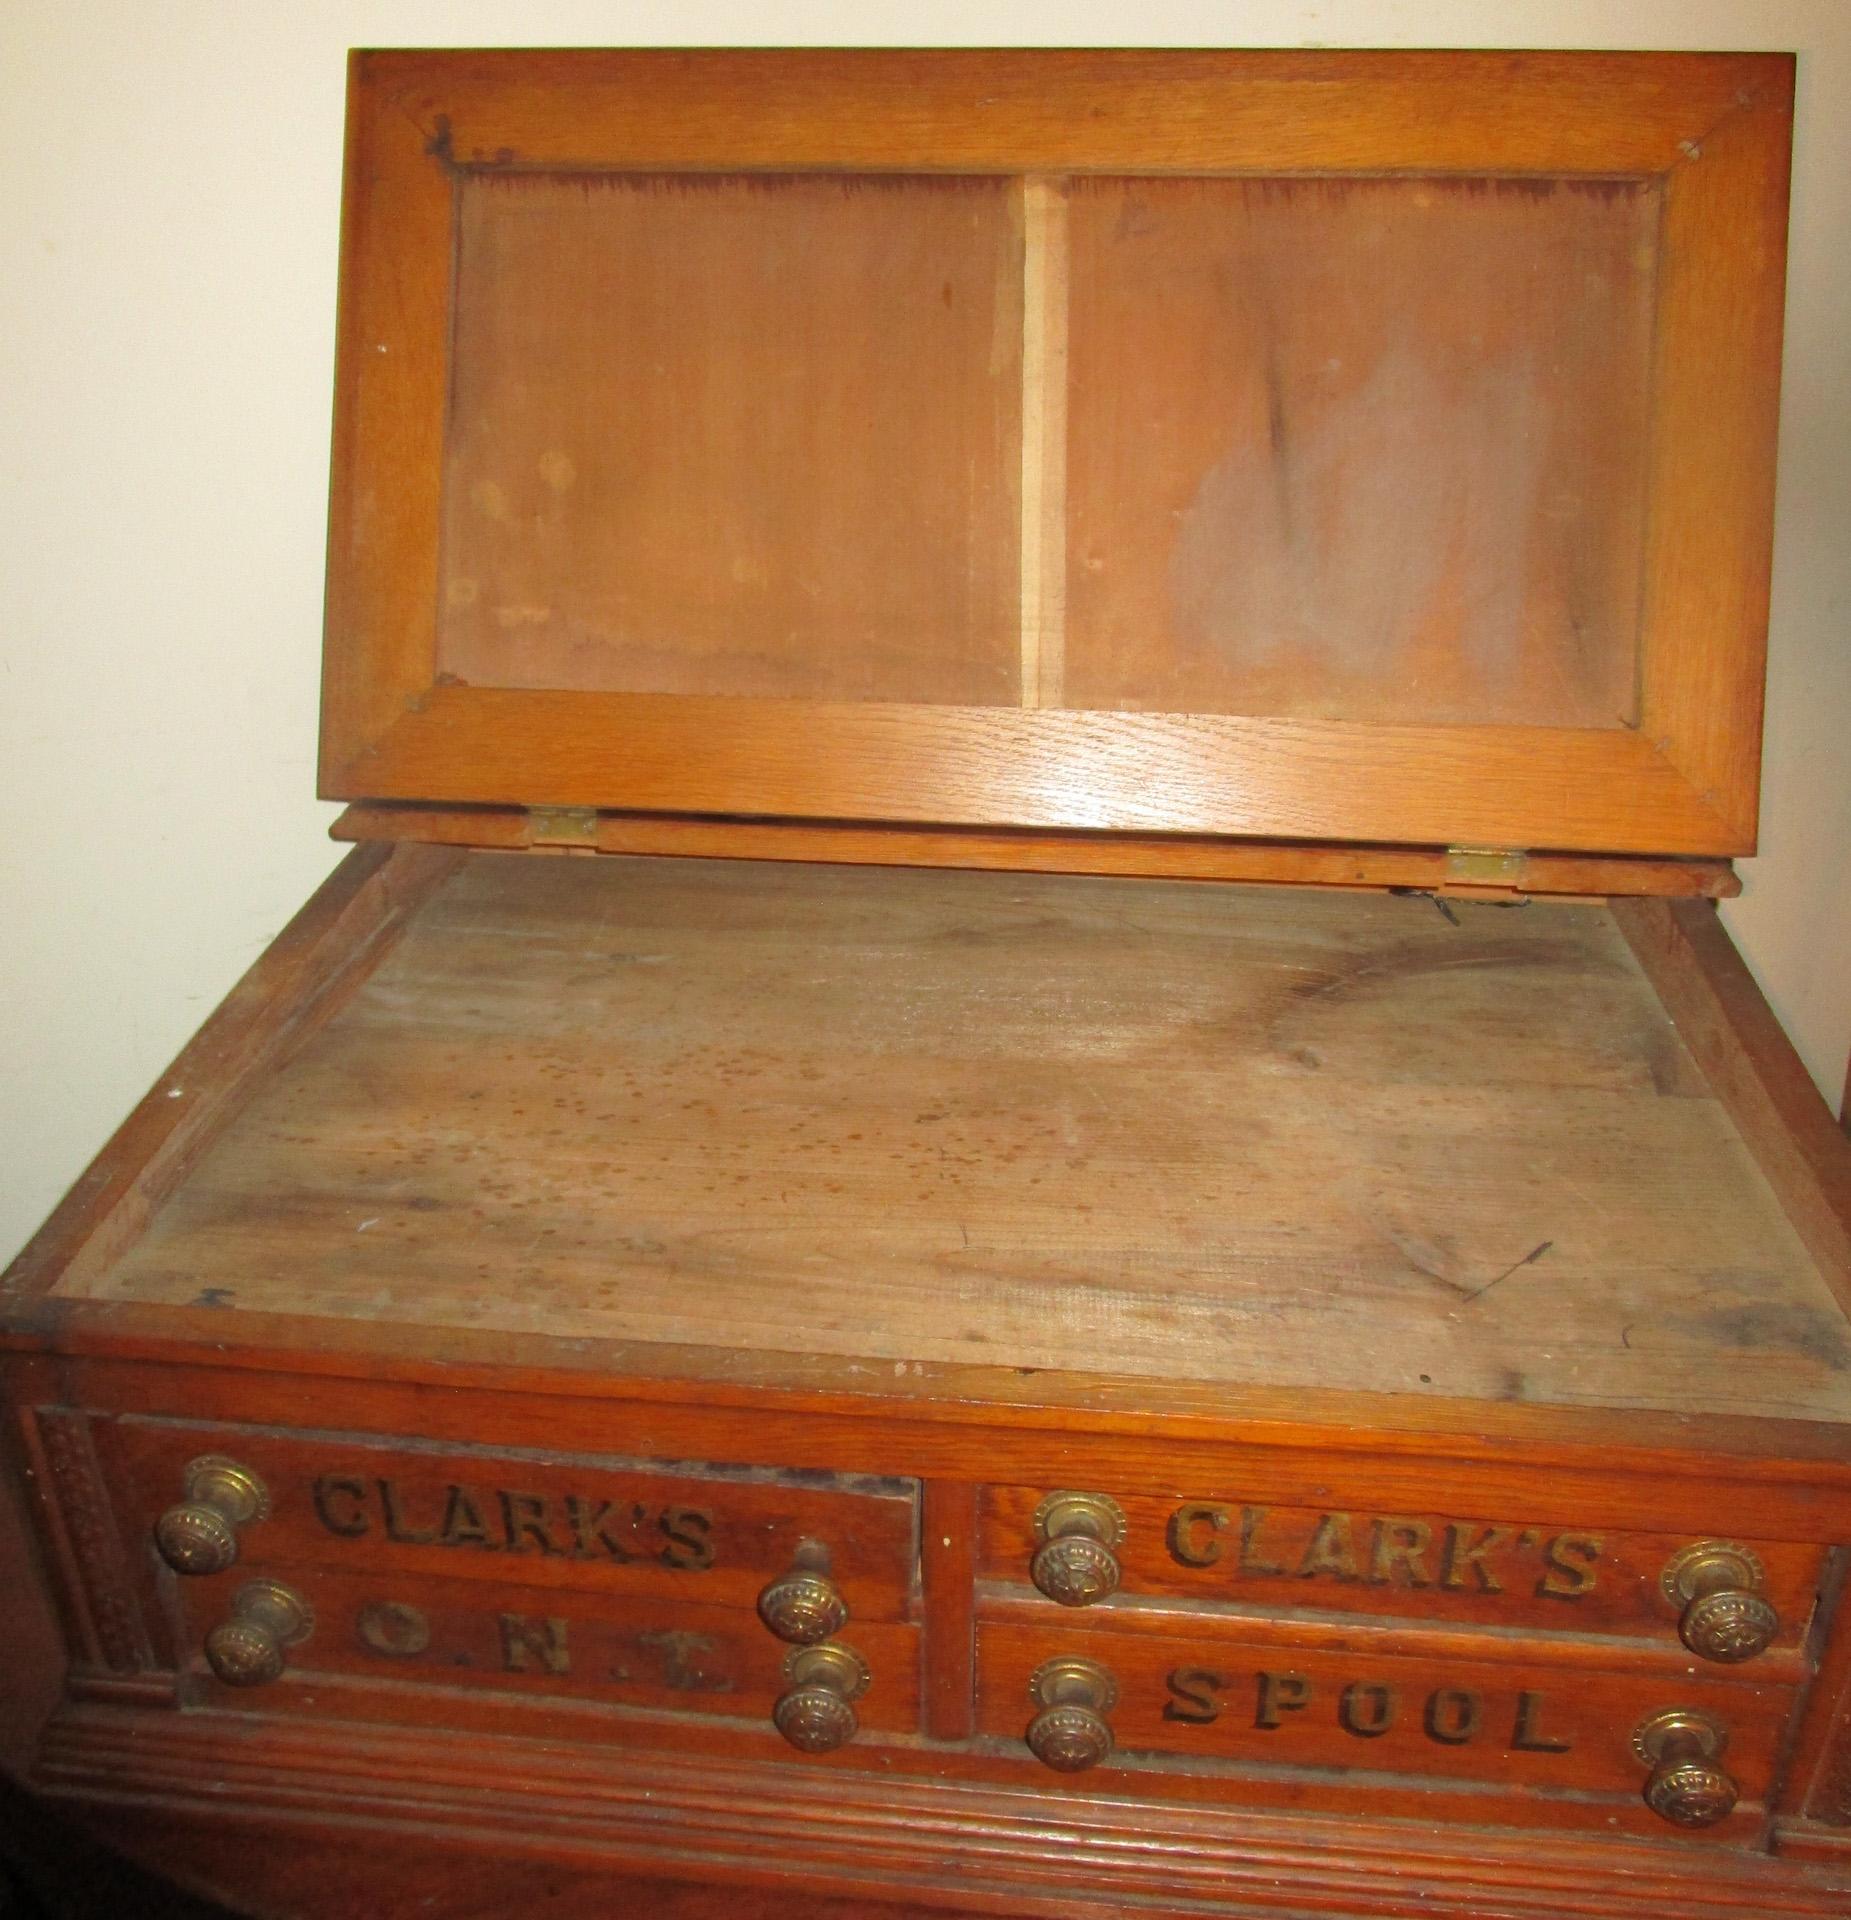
1367	448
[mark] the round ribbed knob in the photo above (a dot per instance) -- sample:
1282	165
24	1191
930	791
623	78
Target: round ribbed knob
1690	1793
1069	1739
817	1714
244	1654
1728	1626
1687	1786
196	1539
804	1607
1724	1616
1075	1571
201	1534
815	1719
1075	1563
1071	1732
250	1648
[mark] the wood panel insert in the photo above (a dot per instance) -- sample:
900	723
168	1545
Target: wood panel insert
1336	448
1359	448
742	434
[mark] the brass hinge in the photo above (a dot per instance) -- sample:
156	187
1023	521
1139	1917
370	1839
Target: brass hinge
1484	867
562	827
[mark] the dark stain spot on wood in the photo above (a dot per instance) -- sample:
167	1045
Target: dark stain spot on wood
1671	1071
1390	968
1431	1257
1275	406
1757	1326
1539	187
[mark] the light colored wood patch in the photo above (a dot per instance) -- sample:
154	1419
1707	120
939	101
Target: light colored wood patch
1359	449
1044	440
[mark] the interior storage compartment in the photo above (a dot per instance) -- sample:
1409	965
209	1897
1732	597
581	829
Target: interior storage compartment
1264	1136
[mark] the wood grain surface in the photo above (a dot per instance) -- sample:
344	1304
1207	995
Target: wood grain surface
1123	111
1710	533
1036	1121
232	1792
1156	856
1574	789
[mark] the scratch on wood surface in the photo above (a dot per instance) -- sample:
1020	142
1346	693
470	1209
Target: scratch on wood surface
1528	1260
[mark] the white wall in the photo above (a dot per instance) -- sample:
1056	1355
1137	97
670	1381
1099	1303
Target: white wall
169	180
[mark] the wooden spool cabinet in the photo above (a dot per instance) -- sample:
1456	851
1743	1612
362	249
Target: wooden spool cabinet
765	1305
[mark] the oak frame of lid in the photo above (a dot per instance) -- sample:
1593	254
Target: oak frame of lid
1711	130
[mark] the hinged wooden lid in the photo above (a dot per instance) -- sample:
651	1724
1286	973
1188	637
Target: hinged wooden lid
1366	448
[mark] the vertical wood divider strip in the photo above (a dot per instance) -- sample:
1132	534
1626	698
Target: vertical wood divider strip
88	1645
1044	439
32	1614
948	1565
1817	1783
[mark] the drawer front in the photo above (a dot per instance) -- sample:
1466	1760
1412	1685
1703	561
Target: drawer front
1212	1693
537	1643
394	1509
1439	1569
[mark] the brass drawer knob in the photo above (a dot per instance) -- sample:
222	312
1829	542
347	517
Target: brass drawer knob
817	1714
201	1534
1076	1563
1686	1786
805	1606
1071	1732
1723	1614
267	1619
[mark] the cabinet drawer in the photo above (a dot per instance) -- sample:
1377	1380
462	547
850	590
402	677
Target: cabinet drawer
677	1531
425	1639
1750	1597
1213	1692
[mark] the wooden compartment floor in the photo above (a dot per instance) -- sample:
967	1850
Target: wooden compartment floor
1273	1137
